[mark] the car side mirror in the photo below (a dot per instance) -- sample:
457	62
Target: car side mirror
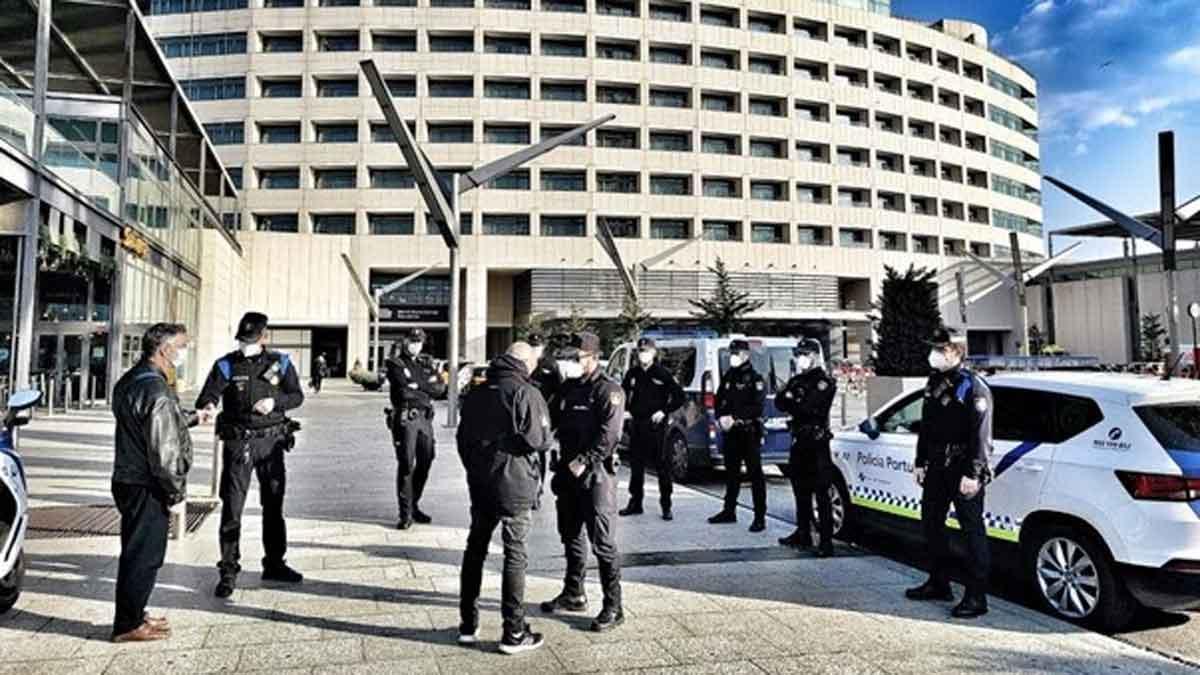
870	428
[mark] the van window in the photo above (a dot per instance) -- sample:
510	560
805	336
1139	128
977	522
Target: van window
680	362
616	364
1175	427
1023	415
773	363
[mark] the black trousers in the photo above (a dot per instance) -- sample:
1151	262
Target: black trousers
646	447
589	503
811	469
144	526
262	457
513	532
415	450
942	489
316	383
743	445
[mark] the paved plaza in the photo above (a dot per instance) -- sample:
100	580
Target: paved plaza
699	598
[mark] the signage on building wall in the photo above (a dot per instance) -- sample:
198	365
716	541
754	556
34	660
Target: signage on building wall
134	243
416	313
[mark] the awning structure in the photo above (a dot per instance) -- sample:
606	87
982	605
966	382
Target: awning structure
1187	227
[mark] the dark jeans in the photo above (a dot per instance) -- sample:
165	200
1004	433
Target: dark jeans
413	440
589	503
144	525
646	447
941	489
743	444
316	383
513	531
811	469
262	457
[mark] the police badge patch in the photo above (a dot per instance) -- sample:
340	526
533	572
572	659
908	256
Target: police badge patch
981	404
758	386
616	398
822	385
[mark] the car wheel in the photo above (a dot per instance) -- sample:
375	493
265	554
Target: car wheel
839	499
10	586
677	456
1074	578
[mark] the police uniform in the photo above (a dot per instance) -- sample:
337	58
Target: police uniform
411	385
955	441
253	443
741	395
807	397
649	391
588	415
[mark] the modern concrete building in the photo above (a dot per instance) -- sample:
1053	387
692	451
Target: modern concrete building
805	143
110	195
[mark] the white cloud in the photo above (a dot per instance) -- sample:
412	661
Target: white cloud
1042	7
1109	116
1153	104
1081	149
1187	58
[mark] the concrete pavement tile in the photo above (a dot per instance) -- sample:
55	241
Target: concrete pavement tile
413	644
301	654
378	625
643	628
418	666
88	666
721	623
188	661
672	603
608	656
233	635
820	664
39	646
722	668
181	639
326	606
488	661
728	647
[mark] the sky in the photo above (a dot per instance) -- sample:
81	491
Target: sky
1111	75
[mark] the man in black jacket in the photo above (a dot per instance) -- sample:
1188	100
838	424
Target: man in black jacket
504	425
740	399
651	395
411	386
256	387
953	447
153	456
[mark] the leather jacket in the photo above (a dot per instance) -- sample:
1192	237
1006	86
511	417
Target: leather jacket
153	447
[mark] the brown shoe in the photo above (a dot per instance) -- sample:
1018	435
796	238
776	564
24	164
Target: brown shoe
143	633
157	622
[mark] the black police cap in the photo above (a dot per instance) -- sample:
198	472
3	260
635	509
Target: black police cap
535	340
251	326
806	346
646	343
739	345
942	336
415	335
586	342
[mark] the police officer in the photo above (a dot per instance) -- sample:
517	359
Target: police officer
953	446
588	417
411	384
651	395
547	380
255	387
739	412
807	398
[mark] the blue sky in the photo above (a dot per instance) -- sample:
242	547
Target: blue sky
1111	75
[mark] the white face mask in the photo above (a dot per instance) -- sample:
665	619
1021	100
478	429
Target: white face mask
180	357
802	363
939	361
570	370
252	349
646	357
414	348
736	360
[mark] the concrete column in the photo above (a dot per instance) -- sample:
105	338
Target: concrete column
475	311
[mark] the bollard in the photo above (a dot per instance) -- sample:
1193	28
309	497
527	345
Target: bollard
178	520
68	394
50	400
92	391
844	421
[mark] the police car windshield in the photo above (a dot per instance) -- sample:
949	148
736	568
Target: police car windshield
1175	427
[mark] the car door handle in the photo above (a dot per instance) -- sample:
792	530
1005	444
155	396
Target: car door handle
1030	468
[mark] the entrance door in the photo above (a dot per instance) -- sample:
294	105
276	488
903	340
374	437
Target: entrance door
332	343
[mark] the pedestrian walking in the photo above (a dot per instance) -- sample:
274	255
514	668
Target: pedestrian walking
953	447
587	417
255	388
740	399
153	453
412	385
651	396
504	425
547	380
320	372
807	397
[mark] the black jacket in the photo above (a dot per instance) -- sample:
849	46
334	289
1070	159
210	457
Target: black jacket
504	425
808	397
956	424
547	378
742	394
152	446
237	382
411	384
649	390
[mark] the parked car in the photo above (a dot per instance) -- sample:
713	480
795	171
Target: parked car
1095	504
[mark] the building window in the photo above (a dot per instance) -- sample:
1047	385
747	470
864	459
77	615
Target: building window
451	88
721	230
617	138
282	43
282	4
564	91
381	132
763	147
337	42
394	42
677	56
619	51
764	23
465	222
719	145
402	87
892	241
277	222
768	233
718	16
214	89
552	130
723	188
231	221
623	227
516	180
620	94
617	7
814	235
279	179
333	223
337	133
189	6
392	179
564	181
710	58
340	88
671	141
769	191
506	224
854	238
507	4
456	132
498	44
335	179
226	133
765	65
391	223
235	176
670	228
511	89
572	6
452	3
457	42
394	3
924	244
671	185
283	88
719	102
771	107
671	98
624	183
564	46
563	226
279	133
664	11
506	133
212	44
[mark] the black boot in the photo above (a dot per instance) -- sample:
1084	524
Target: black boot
723	517
799	538
565	603
972	605
932	589
608	619
667	514
281	572
225	586
825	550
634	508
759	524
421	517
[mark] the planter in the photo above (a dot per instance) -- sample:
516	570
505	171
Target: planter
883	388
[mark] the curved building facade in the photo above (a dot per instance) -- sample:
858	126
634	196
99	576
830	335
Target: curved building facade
806	143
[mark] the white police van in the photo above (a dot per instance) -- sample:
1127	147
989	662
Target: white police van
1096	495
697	359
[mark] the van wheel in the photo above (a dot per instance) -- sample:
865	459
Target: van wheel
676	453
1074	578
10	586
843	510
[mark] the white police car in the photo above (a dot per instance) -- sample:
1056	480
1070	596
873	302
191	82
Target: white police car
1096	498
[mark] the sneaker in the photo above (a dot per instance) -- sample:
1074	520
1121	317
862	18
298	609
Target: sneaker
281	572
797	539
526	641
723	517
972	605
759	524
565	603
225	586
608	619
633	509
931	590
468	635
421	517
